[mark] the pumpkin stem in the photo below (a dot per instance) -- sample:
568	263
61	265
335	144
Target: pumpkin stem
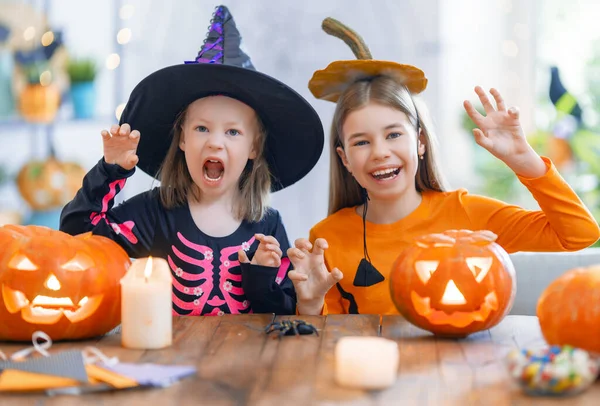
337	29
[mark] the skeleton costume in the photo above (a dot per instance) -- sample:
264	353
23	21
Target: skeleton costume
207	276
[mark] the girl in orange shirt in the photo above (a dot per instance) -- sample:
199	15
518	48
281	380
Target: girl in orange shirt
386	187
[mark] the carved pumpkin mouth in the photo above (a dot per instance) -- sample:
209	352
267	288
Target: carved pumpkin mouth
49	310
423	307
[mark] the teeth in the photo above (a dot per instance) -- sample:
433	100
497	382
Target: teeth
36	314
212	160
384	171
54	301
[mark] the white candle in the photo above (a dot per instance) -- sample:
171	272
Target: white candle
366	362
146	305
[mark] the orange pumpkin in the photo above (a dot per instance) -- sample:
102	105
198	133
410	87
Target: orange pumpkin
569	309
39	103
454	283
49	184
67	286
330	83
559	151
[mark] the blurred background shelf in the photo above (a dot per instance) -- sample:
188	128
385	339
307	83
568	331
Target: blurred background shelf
17	123
67	69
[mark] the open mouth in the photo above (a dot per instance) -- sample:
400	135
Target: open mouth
422	306
213	170
49	310
386	174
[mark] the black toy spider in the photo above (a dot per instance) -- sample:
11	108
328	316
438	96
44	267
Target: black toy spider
291	327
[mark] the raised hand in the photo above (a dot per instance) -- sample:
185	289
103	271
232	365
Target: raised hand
500	133
268	252
310	276
120	146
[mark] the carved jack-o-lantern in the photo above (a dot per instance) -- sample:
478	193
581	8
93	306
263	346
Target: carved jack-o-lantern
66	286
454	283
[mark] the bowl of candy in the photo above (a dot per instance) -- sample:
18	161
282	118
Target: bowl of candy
553	370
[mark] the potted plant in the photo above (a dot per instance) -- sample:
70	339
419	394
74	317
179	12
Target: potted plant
82	73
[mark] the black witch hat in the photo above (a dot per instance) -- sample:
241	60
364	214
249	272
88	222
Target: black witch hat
294	131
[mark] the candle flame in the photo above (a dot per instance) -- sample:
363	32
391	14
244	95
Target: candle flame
148	269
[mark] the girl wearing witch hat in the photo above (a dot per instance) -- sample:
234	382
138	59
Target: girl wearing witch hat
220	136
386	187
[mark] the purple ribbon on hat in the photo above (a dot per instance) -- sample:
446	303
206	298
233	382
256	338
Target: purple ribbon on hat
214	41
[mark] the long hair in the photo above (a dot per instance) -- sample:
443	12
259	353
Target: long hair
254	183
344	190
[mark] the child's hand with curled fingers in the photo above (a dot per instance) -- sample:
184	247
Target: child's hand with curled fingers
120	146
500	132
311	278
268	252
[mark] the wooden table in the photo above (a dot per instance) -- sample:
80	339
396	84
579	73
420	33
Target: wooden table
239	365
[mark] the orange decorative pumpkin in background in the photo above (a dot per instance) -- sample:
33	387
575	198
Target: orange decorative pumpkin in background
454	283
49	184
66	286
569	309
39	103
559	151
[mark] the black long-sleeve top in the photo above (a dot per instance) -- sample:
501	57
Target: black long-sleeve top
207	276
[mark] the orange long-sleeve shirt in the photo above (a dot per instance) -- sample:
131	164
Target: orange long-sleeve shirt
562	224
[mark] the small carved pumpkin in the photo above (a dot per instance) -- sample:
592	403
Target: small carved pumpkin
454	283
569	309
38	103
67	286
49	184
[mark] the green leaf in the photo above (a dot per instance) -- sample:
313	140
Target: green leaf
586	146
82	70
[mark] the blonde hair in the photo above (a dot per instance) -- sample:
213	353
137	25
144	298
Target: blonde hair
344	190
254	183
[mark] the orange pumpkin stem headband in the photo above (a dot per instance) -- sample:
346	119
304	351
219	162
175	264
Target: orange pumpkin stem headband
330	83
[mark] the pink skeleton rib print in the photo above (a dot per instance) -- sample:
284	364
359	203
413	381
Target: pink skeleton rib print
198	290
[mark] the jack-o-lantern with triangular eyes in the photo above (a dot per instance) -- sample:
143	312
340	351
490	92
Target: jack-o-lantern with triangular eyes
66	286
454	283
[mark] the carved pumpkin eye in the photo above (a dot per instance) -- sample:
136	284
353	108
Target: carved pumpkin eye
80	262
20	262
425	269
480	267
